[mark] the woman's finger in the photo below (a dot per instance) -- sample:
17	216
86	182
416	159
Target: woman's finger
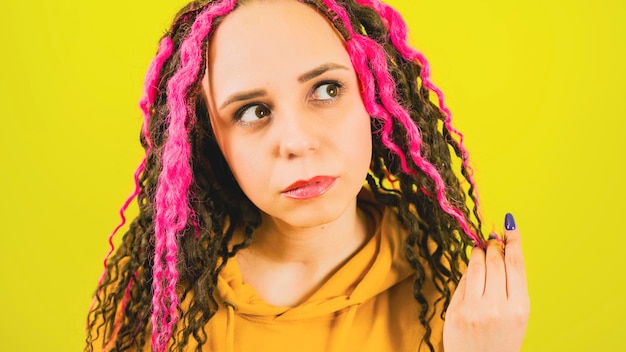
514	261
495	281
475	274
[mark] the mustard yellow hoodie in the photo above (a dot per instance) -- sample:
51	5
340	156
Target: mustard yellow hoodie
367	305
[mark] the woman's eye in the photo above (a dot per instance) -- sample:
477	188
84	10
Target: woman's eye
326	91
252	113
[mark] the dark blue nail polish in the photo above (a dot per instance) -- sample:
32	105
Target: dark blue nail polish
492	237
509	222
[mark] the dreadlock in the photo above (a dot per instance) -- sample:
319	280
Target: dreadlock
190	204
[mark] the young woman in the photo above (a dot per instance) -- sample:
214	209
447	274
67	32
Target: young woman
298	194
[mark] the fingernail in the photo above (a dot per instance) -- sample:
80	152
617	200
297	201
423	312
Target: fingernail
492	237
509	222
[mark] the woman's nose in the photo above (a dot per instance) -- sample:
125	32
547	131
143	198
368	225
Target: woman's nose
297	135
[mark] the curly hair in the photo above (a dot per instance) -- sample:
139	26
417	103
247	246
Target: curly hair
190	204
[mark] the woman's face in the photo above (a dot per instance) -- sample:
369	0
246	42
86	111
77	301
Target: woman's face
285	107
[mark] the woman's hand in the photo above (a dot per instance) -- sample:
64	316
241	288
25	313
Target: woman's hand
490	308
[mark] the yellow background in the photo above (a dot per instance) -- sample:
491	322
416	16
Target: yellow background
537	87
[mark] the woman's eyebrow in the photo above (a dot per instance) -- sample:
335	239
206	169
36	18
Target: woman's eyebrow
240	96
247	95
319	70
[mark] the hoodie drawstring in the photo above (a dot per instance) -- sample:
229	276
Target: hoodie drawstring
230	326
342	335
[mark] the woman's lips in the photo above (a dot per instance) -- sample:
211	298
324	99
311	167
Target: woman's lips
308	189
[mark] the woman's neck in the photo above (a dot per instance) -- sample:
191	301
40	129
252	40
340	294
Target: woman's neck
286	264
